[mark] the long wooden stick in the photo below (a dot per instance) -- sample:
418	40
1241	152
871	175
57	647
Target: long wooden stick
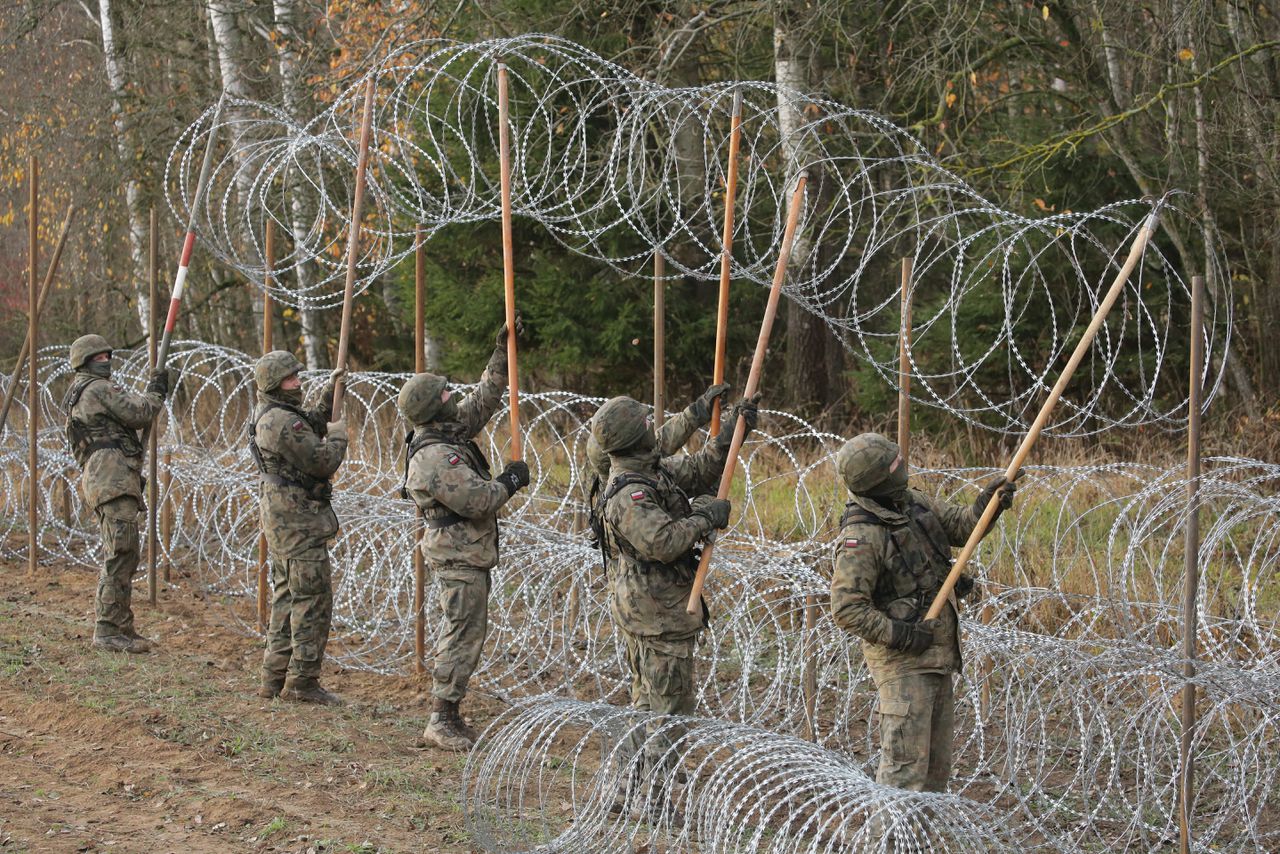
45	289
726	255
694	605
508	262
33	387
268	344
1191	580
353	247
419	365
904	365
153	437
659	339
1147	229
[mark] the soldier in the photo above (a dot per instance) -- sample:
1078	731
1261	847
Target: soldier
892	556
297	451
103	420
650	533
448	478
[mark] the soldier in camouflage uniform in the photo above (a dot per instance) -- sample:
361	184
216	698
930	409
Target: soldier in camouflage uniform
650	530
671	436
892	556
103	420
448	478
297	451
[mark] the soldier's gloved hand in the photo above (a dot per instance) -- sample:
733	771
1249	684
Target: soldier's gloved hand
514	476
749	409
500	340
966	585
336	429
338	373
159	383
912	638
702	406
1006	489
714	510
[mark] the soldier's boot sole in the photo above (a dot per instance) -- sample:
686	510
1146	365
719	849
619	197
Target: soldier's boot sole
454	742
317	696
140	644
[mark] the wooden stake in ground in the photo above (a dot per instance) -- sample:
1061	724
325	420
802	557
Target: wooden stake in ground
268	344
45	288
904	365
353	247
1145	232
659	339
694	605
1191	580
726	255
508	262
419	365
33	386
153	437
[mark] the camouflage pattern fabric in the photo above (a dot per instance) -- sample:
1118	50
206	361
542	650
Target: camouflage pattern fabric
464	608
884	571
111	412
672	436
917	720
661	683
118	523
301	613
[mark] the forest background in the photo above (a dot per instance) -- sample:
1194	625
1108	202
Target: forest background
1042	107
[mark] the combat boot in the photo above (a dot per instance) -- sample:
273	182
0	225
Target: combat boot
271	687
445	728
114	643
306	689
466	728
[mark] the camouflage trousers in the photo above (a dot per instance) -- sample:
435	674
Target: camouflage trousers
464	610
301	610
917	723
118	523
662	683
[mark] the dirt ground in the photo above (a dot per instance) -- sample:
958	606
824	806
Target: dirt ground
172	752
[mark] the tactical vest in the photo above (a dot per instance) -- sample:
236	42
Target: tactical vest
929	571
86	438
416	440
605	533
275	470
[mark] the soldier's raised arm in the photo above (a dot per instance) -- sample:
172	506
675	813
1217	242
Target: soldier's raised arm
478	407
676	430
700	472
303	449
958	520
446	477
322	412
133	410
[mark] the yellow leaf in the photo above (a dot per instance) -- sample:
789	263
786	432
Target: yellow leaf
973	77
951	98
1186	54
1044	12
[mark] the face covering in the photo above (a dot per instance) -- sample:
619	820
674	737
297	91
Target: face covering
894	488
448	410
99	369
292	396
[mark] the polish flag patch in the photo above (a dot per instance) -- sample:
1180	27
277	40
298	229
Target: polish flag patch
852	543
638	495
454	459
297	425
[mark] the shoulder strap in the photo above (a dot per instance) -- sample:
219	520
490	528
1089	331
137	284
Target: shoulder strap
932	527
862	516
624	480
75	392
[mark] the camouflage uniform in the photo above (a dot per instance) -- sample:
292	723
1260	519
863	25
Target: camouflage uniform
449	479
892	556
651	530
299	451
103	420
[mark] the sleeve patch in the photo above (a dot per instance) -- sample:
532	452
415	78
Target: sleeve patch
852	543
454	459
297	425
638	495
117	387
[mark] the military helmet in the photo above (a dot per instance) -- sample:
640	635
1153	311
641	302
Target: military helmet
85	348
619	424
274	368
597	459
419	399
863	461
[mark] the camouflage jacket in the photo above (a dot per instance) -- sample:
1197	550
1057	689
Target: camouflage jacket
451	483
108	412
676	430
296	516
651	539
891	568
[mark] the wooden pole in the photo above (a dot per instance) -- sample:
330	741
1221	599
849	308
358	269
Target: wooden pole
166	514
694	605
268	344
508	261
659	339
726	255
1191	580
419	365
353	247
33	385
153	437
904	365
1145	232
45	288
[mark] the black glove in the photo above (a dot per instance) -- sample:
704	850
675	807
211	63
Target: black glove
966	585
748	408
500	340
1006	489
159	383
912	638
714	510
514	476
702	406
